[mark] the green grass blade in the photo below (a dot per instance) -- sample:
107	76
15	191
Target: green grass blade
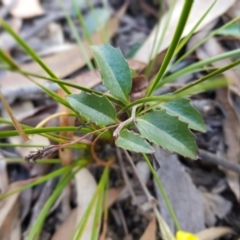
88	90
99	209
198	87
82	224
36	228
211	34
77	38
155	49
82	23
31	52
185	40
39	161
13	66
177	35
210	75
195	67
162	191
12	133
45	178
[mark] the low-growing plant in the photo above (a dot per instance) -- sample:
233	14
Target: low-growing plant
166	120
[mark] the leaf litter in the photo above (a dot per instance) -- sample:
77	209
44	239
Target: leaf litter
127	219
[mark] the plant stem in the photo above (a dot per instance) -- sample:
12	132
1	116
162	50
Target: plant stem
177	35
164	195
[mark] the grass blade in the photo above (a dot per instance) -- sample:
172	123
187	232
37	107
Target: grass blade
30	52
213	33
15	122
178	33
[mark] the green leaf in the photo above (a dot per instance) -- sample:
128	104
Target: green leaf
169	132
114	70
133	142
186	113
98	109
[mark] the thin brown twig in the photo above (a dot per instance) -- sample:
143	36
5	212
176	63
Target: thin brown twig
33	156
212	158
125	176
150	198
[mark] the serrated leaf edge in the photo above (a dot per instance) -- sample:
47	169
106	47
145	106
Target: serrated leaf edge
125	99
197	152
196	111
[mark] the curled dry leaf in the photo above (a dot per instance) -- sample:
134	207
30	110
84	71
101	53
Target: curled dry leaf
25	8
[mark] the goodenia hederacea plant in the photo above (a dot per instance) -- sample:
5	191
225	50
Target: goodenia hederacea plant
115	72
168	127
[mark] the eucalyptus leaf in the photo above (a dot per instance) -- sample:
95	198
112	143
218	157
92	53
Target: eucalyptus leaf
114	70
169	132
133	142
186	113
97	108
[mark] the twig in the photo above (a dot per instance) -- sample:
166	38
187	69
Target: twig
125	176
212	158
33	156
124	224
150	198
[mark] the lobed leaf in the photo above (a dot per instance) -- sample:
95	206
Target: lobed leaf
169	132
133	142
115	72
97	108
186	113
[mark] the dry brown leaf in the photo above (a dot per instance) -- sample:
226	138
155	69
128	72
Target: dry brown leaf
62	64
231	129
214	233
112	195
15	122
231	125
185	198
234	11
198	9
9	217
215	207
25	8
86	187
66	229
150	232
